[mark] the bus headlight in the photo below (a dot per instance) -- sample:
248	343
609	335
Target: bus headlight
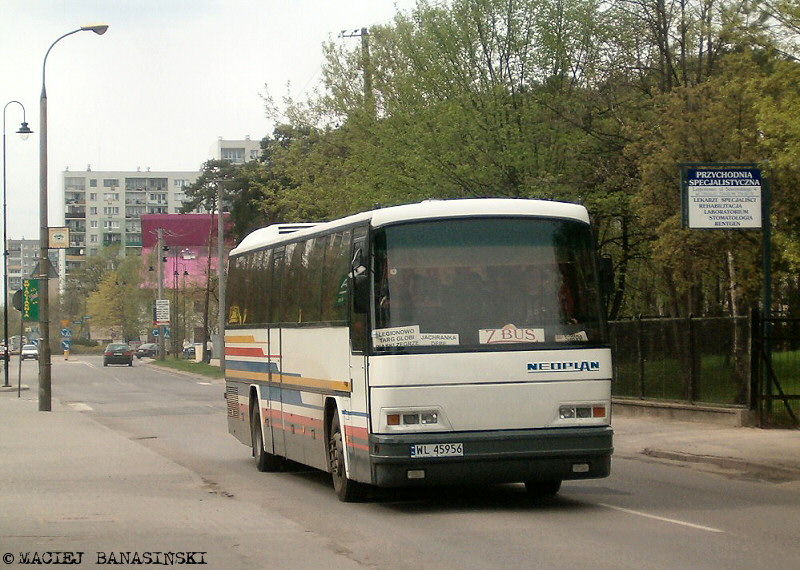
582	412
412	418
419	419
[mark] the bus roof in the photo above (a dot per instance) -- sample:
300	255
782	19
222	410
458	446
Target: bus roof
428	209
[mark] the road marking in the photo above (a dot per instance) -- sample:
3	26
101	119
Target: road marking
662	519
80	407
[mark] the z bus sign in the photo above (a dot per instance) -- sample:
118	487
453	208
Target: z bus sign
721	196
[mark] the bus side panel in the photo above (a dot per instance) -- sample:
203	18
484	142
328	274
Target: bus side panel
237	403
247	364
314	365
275	399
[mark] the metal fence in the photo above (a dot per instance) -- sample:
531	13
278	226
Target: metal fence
776	379
742	361
697	360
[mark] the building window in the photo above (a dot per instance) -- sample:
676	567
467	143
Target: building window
110	196
93	238
93	195
181	183
93	224
93	183
110	182
158	198
111	210
93	210
75	183
235	155
111	225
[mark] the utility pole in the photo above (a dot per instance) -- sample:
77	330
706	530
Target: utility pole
221	281
366	66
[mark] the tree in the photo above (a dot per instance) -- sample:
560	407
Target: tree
118	302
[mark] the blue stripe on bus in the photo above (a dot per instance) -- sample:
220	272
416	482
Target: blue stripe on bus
262	367
290	397
356	414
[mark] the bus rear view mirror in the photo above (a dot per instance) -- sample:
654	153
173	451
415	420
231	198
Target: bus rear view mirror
361	293
606	275
360	283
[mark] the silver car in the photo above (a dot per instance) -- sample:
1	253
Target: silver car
29	351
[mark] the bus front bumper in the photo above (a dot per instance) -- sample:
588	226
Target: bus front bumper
491	457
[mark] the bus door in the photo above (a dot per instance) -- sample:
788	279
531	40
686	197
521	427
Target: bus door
356	421
277	434
359	309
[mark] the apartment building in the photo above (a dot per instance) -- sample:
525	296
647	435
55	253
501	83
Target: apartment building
237	151
105	208
23	259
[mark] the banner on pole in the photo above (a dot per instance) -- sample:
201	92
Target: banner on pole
30	299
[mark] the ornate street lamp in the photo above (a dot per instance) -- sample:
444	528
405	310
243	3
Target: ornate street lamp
24	132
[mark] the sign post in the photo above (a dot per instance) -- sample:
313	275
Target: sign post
727	196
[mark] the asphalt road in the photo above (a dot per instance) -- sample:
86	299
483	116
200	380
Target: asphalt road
648	514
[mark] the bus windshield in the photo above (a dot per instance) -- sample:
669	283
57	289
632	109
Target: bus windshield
485	283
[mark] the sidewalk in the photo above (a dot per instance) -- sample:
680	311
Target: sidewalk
768	454
69	486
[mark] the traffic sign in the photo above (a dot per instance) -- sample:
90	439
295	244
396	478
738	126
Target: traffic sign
161	312
155	333
66	333
66	344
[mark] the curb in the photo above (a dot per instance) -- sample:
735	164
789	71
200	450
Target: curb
773	473
23	387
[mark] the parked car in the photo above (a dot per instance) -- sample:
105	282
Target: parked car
189	353
29	351
118	353
4	353
150	349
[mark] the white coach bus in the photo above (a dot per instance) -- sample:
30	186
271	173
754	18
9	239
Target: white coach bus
444	342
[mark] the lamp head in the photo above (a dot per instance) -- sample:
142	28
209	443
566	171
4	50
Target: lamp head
24	131
98	29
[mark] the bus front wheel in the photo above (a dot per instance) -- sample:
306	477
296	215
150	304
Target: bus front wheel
264	461
543	489
346	489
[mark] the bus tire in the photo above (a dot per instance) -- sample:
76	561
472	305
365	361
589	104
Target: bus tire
346	489
543	489
265	462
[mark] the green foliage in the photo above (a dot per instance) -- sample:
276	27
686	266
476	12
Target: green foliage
586	101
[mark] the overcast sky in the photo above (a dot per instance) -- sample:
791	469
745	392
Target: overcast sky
167	79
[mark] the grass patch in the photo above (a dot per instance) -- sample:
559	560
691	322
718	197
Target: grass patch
190	366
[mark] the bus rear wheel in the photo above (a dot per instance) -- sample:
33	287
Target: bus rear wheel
265	462
346	489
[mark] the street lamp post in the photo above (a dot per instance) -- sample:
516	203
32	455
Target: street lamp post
44	261
24	131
